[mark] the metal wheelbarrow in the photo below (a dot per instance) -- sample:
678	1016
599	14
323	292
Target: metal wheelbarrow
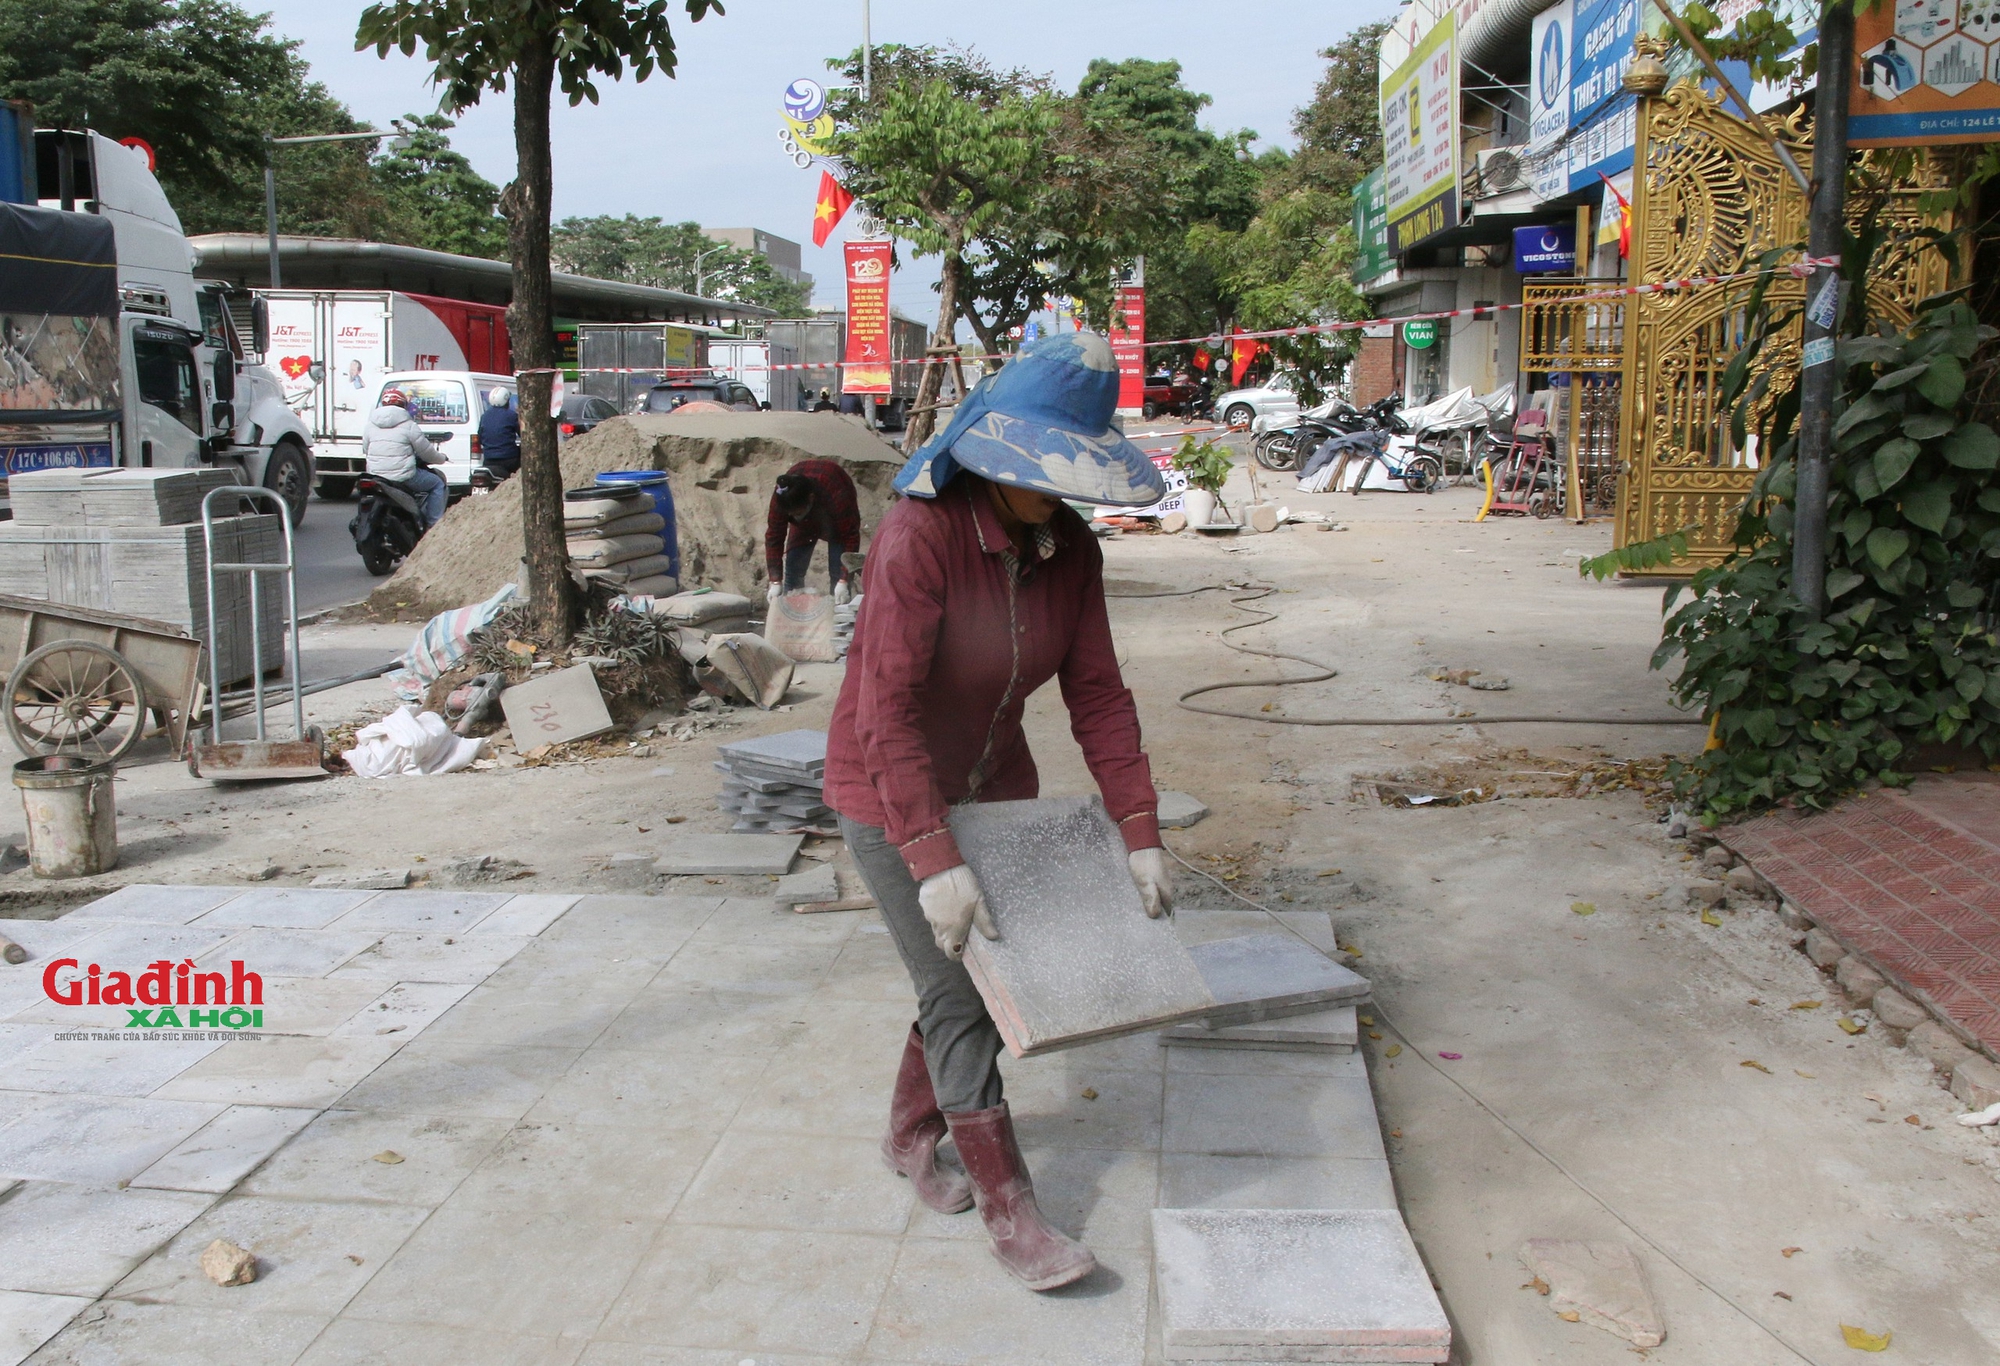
238	761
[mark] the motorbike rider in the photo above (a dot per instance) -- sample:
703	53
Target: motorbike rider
500	435
400	453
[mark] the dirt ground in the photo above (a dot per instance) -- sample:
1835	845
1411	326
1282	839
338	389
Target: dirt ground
1555	1072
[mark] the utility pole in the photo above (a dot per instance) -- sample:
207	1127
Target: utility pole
867	55
1819	377
271	181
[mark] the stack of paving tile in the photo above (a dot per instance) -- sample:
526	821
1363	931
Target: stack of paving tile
776	782
1275	992
98	539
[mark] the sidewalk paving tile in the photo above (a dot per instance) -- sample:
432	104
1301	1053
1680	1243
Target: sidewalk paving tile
333	1158
94	1140
1216	1181
440	912
348	1342
1049	1106
28	1320
798	1181
754	1291
677	1017
1908	880
727	855
121	1333
161	905
286	908
603	1172
616	1086
312	1256
228	1148
1271	1116
602	922
433	957
810	1089
281	1070
404	1010
449	1079
46	939
314	1006
288	953
105	1067
1270	976
62	1239
528	913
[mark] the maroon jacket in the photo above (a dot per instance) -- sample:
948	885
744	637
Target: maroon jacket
835	516
947	649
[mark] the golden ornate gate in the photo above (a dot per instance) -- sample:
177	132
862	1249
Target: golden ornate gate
1711	198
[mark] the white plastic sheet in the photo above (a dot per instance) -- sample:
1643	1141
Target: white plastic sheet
444	641
409	744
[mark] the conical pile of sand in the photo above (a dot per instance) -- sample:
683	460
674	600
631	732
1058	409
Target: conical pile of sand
721	467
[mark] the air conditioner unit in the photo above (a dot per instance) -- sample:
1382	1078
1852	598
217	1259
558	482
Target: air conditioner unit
1501	171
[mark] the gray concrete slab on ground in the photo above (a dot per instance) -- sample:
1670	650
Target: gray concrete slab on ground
1335	1031
1248	1281
1269	976
1077	959
1178	810
797	751
728	855
556	707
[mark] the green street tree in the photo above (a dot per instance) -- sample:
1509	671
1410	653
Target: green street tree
651	251
435	198
476	46
944	149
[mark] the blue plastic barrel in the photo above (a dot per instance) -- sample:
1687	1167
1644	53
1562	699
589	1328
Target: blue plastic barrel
655	483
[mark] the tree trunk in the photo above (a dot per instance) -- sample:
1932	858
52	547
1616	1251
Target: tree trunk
924	421
989	337
551	597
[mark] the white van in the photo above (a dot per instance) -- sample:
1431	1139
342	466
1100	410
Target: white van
448	405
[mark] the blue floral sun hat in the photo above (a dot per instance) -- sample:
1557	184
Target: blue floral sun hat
1043	423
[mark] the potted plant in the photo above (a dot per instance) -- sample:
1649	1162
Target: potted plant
1207	466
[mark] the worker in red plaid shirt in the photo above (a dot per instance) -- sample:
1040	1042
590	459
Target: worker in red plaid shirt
813	502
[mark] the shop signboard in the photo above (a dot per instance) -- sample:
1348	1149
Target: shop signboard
1372	258
1924	74
1547	250
1420	333
1420	132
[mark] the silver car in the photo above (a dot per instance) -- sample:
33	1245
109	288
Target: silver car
1274	398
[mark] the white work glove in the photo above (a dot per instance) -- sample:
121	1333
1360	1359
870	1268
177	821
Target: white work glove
774	592
1154	879
840	594
953	904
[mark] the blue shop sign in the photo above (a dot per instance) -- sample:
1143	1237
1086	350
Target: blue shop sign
1546	250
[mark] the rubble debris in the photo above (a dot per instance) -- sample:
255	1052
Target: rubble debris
11	951
227	1264
1599	1283
1178	810
367	880
816	885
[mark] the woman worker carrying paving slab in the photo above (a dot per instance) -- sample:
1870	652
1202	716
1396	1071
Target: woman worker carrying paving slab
981	586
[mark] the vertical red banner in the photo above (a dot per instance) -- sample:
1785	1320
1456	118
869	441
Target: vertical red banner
867	369
1128	334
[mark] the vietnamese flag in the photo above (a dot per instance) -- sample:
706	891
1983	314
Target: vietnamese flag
833	202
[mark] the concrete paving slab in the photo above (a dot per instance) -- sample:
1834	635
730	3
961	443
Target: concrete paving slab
643	923
333	1158
1077	959
220	1154
802	751
728	855
312	1256
1326	1031
798	1181
347	1342
454	1080
281	1070
1223	1181
613	1086
119	1332
159	905
45	939
313	1006
61	1239
29	1320
128	946
1271	1116
754	1291
104	1067
1257	1062
1269	976
685	1017
818	883
543	1168
1178	810
763	969
1251	1279
557	707
404	1010
1050	1109
528	913
558	1014
92	1140
1101	1321
1602	1283
810	1089
290	908
289	953
433	957
438	912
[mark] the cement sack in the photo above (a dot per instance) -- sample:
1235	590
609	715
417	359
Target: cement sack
409	744
755	667
659	585
700	606
588	507
442	642
638	524
603	553
801	624
646	567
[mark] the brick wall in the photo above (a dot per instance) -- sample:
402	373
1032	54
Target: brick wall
1375	370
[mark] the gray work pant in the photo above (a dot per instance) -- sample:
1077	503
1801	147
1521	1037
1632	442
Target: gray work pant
961	1042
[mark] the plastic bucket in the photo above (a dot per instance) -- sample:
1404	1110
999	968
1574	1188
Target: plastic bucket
655	483
72	819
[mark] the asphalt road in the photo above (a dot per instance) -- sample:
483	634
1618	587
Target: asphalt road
330	573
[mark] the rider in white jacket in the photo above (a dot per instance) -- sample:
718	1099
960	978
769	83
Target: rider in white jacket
398	450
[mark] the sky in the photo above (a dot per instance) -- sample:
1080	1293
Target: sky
704	145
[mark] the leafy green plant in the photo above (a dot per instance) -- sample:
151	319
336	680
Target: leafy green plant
1206	463
1907	653
1636	558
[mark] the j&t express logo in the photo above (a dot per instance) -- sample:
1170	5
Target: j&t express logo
153	998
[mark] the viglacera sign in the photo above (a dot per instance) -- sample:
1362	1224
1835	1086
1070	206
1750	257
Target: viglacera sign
153	998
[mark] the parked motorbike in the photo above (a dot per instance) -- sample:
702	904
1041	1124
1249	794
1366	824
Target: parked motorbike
1455	430
1290	446
387	524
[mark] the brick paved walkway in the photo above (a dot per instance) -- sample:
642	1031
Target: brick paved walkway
1908	880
